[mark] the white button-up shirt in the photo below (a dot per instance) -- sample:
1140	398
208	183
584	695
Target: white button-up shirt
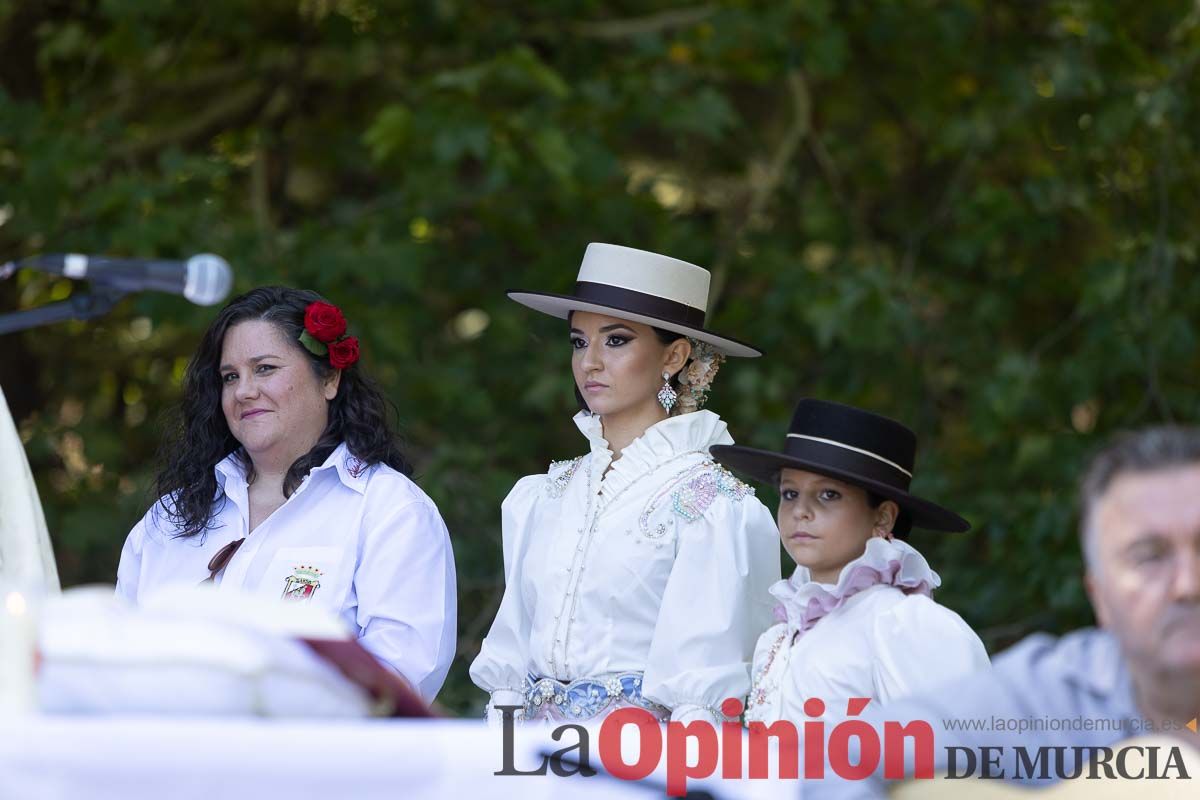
364	542
661	566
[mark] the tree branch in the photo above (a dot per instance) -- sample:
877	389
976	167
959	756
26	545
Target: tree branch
234	104
762	189
637	26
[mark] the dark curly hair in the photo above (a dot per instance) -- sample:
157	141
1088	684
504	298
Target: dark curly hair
198	437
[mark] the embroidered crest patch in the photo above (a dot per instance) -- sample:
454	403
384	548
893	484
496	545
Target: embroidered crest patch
302	584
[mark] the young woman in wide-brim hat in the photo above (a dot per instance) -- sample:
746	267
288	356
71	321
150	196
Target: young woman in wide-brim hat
857	618
637	573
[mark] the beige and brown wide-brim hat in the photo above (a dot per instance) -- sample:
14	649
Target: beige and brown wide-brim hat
639	286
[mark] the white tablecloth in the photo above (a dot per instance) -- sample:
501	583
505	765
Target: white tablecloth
154	758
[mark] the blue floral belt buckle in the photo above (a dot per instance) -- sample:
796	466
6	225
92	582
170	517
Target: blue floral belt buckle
586	698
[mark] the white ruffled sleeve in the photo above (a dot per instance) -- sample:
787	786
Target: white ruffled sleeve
503	661
714	608
920	645
406	588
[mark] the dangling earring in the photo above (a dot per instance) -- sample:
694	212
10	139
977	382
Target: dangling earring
666	395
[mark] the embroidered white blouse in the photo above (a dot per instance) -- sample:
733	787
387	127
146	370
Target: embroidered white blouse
365	543
876	633
661	566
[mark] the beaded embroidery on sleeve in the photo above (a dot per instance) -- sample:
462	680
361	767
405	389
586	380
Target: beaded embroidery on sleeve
692	492
559	475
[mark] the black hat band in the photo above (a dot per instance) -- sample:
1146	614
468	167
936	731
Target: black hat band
848	458
648	305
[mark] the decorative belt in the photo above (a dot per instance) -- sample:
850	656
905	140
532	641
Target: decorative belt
587	698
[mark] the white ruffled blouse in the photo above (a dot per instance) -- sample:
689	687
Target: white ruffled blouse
876	633
660	566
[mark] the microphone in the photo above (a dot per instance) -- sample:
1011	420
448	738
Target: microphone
204	279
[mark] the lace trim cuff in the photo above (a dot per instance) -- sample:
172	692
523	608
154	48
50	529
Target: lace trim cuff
692	712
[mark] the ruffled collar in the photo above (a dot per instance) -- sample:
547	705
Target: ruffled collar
662	442
803	601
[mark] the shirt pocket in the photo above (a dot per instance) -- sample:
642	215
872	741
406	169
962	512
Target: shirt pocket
310	575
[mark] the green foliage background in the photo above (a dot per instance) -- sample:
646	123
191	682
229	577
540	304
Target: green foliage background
975	216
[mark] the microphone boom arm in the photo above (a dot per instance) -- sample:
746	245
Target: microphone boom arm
80	306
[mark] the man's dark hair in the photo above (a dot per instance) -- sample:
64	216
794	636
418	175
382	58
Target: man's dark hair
1146	450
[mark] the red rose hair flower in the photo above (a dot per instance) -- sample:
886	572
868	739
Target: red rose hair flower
324	322
325	335
343	352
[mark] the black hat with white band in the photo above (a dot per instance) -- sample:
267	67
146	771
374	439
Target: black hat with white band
639	286
852	445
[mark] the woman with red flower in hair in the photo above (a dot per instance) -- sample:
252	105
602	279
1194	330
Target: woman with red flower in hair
282	476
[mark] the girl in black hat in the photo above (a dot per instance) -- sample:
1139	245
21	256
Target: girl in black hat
637	574
857	618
